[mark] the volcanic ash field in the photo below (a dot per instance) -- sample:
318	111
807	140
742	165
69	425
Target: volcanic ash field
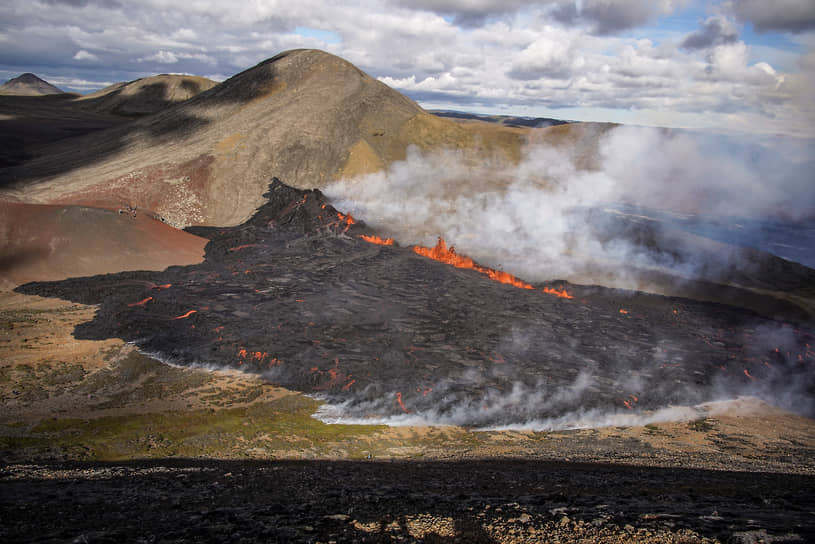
421	335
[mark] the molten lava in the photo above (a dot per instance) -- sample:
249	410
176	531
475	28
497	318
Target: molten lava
188	314
562	293
377	240
347	219
401	404
141	302
504	277
443	254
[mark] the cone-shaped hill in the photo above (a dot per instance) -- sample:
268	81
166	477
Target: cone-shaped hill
28	84
305	116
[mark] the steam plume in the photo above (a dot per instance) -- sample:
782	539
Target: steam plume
555	214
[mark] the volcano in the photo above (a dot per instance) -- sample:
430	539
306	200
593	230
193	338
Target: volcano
389	333
28	84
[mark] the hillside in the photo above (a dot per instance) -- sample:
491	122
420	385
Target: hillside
28	84
145	96
305	116
55	242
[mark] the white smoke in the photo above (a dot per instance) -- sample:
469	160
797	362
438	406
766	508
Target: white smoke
482	414
539	220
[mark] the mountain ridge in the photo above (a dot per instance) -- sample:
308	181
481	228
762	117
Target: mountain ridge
305	116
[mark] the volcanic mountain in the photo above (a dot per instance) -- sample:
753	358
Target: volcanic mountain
28	84
305	116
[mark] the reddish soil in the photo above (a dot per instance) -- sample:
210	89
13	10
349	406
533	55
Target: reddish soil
50	242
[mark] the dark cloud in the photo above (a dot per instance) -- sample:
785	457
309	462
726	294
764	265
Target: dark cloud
468	13
716	30
603	16
784	15
608	16
84	3
531	72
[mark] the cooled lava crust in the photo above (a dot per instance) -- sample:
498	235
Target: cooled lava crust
297	295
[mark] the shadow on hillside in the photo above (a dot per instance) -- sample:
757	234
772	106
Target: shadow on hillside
150	99
29	123
44	136
374	501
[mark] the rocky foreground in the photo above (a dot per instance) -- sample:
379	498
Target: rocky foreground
405	501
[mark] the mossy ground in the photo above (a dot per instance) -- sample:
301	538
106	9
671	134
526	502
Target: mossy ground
282	426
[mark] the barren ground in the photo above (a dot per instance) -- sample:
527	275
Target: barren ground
123	447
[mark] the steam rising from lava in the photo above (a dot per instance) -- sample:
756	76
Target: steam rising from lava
556	214
297	294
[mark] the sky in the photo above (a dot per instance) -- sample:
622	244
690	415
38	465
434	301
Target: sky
727	65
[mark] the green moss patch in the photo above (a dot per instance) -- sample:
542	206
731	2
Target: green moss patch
284	425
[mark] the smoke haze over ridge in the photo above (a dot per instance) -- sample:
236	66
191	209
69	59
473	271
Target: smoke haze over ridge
532	218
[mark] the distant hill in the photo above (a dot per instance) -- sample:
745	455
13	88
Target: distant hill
145	96
506	120
28	84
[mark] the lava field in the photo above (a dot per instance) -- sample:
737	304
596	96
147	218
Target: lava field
389	333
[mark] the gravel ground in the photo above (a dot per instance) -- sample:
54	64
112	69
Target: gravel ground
374	501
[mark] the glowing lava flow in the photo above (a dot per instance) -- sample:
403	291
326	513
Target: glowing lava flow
347	219
562	293
377	240
188	314
448	255
401	404
141	302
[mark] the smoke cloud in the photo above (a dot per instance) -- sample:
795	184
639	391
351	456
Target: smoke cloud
587	213
619	203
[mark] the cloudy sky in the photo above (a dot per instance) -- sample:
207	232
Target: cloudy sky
731	65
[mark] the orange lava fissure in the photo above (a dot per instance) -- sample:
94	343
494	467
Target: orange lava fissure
449	256
377	240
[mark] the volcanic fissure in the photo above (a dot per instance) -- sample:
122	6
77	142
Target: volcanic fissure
315	301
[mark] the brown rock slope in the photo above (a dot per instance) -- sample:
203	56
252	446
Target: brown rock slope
47	242
305	116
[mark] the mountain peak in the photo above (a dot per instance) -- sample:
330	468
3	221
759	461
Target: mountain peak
28	84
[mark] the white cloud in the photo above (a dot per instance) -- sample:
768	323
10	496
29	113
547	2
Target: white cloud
490	54
162	57
84	55
551	55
